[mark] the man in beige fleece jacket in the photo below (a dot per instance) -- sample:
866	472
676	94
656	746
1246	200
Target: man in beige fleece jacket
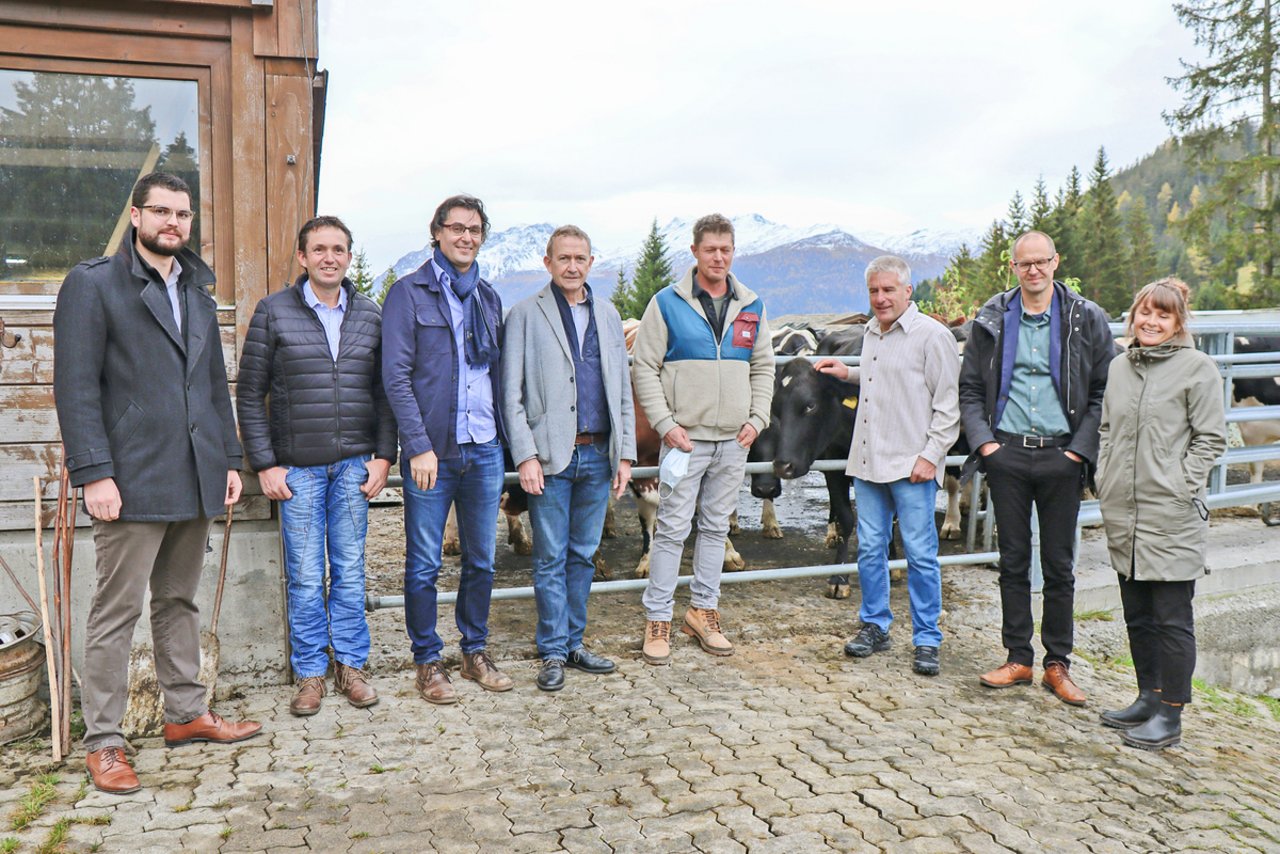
703	374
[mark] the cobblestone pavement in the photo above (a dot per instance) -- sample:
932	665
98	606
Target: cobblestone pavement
785	746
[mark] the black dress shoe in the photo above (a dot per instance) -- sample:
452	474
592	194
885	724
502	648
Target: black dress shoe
551	676
926	661
588	662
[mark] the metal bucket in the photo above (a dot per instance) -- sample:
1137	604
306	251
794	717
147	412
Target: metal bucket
22	712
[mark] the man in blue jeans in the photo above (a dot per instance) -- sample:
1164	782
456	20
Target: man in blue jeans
318	431
571	421
441	369
908	417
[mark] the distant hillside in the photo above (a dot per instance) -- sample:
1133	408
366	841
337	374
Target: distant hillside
813	269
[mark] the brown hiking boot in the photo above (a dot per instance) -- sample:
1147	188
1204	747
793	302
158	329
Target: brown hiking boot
354	683
703	624
479	668
434	685
111	771
306	700
657	641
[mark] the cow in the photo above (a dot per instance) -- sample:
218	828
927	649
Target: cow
1266	390
814	417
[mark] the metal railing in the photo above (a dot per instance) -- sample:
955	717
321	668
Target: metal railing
1218	339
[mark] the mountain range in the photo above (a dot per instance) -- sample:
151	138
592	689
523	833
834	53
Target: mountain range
808	270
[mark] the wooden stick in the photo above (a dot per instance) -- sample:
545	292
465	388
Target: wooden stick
68	551
35	609
60	594
55	691
222	573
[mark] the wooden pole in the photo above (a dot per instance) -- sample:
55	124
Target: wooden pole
55	690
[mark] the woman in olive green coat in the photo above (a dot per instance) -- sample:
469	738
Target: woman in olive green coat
1163	428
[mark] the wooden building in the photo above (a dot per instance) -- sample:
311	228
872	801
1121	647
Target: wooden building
96	93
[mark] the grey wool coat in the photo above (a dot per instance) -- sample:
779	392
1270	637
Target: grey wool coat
138	401
539	395
1163	428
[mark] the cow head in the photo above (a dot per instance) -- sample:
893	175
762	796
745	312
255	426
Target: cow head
807	413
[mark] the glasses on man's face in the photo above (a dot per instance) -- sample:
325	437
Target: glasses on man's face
457	229
1041	264
163	213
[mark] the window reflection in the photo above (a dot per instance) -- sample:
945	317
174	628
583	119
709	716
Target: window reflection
71	148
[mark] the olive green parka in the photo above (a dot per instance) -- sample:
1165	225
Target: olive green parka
1163	428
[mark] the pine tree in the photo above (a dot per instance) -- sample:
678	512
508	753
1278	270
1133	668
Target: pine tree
652	274
1064	225
361	277
388	279
1041	209
1141	266
1231	125
1102	259
1017	221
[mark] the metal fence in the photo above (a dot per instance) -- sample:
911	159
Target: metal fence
1216	336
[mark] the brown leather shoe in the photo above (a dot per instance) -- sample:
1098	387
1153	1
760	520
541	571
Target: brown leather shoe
209	727
479	668
434	685
657	641
1007	675
1058	680
306	700
111	771
703	624
354	683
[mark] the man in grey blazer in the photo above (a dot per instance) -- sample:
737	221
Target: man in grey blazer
571	427
145	414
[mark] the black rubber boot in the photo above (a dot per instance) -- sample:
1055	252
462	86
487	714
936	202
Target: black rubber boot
1164	729
1138	712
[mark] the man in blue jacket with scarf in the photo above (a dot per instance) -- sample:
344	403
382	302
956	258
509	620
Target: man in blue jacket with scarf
440	332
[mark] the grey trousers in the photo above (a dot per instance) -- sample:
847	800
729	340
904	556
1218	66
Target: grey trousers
167	556
711	489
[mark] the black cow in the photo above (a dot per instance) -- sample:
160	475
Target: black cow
1265	389
813	415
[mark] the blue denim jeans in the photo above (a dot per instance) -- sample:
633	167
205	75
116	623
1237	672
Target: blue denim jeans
327	512
914	505
474	480
567	519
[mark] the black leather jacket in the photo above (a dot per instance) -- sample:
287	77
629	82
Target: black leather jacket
297	406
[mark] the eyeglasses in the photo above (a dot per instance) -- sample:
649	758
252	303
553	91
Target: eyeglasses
1041	264
164	213
457	229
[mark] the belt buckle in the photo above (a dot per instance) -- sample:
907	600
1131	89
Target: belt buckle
1033	441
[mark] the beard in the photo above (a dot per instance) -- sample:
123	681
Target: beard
151	240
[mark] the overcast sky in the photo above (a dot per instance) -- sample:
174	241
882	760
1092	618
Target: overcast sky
871	116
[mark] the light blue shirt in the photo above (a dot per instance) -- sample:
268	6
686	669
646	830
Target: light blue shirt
1033	408
171	288
475	421
330	318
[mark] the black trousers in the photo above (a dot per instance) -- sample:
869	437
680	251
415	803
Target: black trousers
1162	635
1048	480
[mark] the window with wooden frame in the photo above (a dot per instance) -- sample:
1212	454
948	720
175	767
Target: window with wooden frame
74	138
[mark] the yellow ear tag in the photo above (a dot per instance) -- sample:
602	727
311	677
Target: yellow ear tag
851	402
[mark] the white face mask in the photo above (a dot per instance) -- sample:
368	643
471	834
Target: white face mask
675	465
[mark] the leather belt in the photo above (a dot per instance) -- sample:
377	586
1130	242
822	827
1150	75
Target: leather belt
588	438
1033	441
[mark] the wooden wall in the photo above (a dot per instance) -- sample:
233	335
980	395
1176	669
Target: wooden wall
254	66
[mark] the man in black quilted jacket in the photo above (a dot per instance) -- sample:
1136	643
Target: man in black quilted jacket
317	429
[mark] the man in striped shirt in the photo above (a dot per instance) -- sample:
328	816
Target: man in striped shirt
908	416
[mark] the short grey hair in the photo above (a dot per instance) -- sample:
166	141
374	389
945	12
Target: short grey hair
890	264
567	231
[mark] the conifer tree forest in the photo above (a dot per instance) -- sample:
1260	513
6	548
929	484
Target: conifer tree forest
1204	206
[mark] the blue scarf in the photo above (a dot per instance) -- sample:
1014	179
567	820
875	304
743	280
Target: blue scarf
481	343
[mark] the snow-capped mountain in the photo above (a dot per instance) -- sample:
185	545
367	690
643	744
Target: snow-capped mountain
816	268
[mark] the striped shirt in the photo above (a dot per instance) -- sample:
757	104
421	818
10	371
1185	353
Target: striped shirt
909	403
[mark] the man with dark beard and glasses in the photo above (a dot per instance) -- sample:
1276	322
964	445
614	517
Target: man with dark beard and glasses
145	414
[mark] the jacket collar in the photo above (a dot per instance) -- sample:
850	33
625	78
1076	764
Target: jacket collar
738	292
194	270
